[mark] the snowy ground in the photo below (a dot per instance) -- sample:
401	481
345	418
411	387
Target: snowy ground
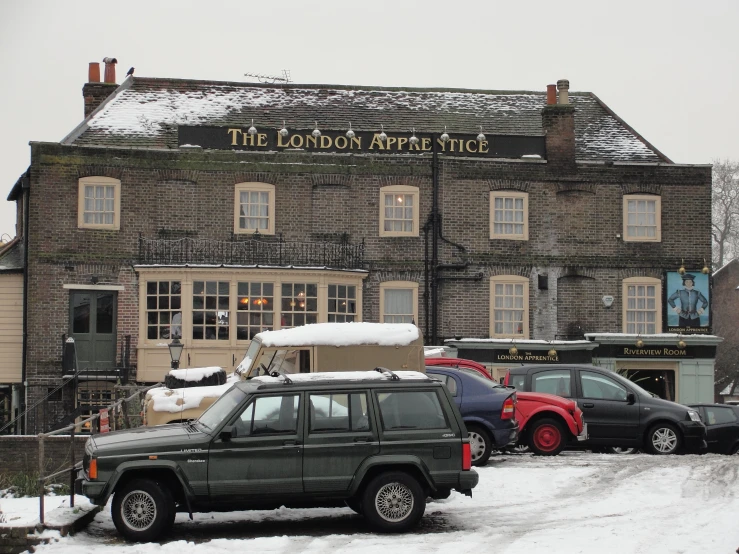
575	502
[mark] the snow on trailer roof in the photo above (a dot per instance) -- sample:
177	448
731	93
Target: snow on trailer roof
194	373
342	334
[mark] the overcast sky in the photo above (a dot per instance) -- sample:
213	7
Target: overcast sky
669	68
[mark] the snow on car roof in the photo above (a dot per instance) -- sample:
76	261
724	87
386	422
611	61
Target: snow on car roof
340	376
342	334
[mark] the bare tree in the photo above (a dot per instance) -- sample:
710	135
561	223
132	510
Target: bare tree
725	218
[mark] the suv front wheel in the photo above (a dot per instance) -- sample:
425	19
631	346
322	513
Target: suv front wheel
393	502
142	510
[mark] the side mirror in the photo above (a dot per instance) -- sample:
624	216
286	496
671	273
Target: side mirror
631	398
227	433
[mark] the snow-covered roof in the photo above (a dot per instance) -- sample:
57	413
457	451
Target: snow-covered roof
342	334
146	112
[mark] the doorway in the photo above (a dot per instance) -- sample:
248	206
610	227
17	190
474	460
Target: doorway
660	382
92	317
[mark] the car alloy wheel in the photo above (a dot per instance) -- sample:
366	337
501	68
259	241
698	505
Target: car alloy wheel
478	445
664	440
138	510
394	502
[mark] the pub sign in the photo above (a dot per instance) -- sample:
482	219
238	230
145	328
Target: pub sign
687	303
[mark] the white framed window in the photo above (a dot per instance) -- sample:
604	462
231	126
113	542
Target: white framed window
642	218
399	211
342	303
509	215
255	309
399	302
99	203
299	304
254	208
163	309
642	305
211	310
509	306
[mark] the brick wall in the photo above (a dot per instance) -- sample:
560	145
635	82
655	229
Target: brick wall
19	454
575	215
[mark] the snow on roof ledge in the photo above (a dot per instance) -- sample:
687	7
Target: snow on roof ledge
342	334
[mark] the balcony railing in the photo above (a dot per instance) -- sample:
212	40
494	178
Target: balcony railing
250	251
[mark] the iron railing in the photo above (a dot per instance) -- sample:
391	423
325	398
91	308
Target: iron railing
251	251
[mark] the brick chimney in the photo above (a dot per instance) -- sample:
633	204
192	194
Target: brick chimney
95	92
558	123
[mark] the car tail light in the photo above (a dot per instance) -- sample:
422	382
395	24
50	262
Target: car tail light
509	408
93	471
466	456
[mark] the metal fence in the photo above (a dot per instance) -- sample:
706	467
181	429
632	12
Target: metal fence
251	251
121	412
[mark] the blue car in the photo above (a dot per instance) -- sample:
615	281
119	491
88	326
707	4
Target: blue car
488	410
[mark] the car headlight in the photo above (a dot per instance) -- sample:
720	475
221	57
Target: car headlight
694	416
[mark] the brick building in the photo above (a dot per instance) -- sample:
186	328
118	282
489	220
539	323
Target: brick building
537	223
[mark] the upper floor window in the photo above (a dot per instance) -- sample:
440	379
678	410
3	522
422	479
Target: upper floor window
509	215
99	205
642	305
398	302
642	218
254	208
509	306
399	211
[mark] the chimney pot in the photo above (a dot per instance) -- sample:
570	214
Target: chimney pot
563	85
551	94
110	69
93	73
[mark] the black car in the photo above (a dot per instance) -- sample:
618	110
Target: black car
722	427
618	411
488	410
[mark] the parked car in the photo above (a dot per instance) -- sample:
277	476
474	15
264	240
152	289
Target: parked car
488	410
400	435
619	412
722	427
547	423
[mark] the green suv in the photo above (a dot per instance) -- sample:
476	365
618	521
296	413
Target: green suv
377	441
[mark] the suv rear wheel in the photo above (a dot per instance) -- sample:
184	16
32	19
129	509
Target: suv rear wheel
546	437
393	502
142	510
663	438
480	444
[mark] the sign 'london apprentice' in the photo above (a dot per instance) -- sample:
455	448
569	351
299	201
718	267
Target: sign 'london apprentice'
363	142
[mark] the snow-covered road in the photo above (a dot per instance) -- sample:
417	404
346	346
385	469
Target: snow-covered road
575	502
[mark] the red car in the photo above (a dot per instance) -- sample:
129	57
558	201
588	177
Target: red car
547	423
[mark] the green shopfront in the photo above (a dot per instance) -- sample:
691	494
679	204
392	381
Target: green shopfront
675	367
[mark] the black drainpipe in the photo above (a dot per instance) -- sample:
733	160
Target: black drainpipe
26	196
434	237
426	276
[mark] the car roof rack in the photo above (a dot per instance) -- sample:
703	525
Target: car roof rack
387	373
285	379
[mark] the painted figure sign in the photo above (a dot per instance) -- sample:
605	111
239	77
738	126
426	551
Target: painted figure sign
687	303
